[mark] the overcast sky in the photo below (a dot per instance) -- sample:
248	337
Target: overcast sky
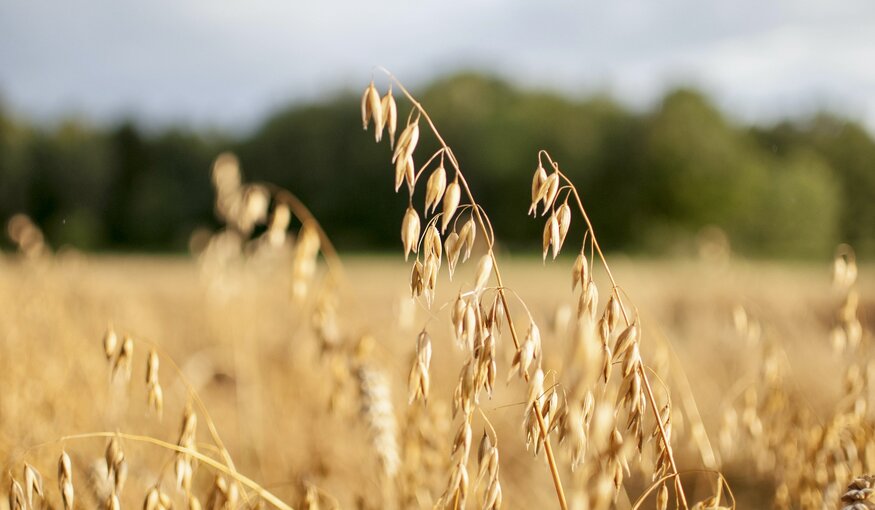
229	62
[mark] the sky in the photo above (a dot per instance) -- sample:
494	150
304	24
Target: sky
229	63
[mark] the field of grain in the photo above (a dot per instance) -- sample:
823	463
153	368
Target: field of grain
249	351
267	369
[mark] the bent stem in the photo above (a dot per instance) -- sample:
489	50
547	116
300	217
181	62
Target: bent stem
615	291
195	396
335	267
215	464
486	226
721	481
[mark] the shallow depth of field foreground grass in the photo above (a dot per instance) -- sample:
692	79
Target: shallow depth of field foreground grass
719	333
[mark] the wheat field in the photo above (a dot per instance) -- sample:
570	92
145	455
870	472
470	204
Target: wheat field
266	369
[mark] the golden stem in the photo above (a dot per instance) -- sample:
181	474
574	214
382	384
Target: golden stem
335	267
486	226
193	394
614	290
261	491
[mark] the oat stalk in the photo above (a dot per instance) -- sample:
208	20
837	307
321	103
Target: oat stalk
486	226
332	259
193	394
615	290
659	481
215	464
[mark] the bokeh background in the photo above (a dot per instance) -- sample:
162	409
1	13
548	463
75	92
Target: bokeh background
677	118
723	151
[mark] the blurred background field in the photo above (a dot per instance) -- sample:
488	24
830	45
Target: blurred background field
255	362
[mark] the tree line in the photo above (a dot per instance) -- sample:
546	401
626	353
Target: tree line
652	181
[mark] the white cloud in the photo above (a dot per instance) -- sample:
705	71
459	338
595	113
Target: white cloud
230	62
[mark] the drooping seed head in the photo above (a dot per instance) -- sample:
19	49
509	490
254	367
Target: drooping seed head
471	322
188	430
405	171
628	337
153	500
119	473
410	146
182	468
563	216
536	388
376	111
579	271
124	359
538	180
407	141
550	189
155	399
417	283
432	246
451	202
453	248
462	442
418	383
409	171
390	115
152	365
457	316
612	312
495	318
538	190
16	496
484	271
484	448
434	189
494	496
410	232
65	480
589	301
467	235
400	171
402	142
112	452
555	237
529	352
662	497
631	359
419	380
547	238
33	483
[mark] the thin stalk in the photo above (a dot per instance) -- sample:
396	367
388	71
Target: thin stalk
709	456
721	481
486	226
215	464
614	290
193	394
335	267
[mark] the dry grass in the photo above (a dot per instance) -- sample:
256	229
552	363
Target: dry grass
55	373
269	371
